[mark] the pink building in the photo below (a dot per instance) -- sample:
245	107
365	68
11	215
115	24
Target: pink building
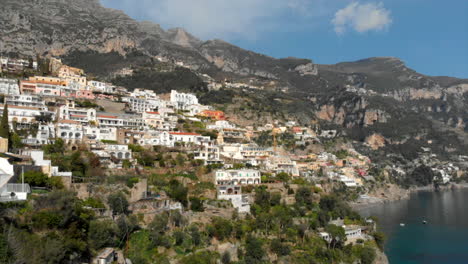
85	94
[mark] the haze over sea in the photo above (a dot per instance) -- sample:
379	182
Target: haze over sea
443	240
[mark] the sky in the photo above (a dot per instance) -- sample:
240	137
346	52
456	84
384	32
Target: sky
430	36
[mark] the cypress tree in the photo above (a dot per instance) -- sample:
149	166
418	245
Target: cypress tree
4	127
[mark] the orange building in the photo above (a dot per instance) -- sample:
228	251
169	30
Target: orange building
214	114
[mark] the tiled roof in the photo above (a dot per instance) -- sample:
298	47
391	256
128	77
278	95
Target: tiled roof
64	121
21	107
107	116
184	134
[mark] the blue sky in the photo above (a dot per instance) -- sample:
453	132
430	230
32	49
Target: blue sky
431	36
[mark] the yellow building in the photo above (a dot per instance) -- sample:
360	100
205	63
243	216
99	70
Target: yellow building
3	145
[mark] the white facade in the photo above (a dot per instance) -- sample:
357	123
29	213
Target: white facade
237	177
183	100
83	115
69	131
26	100
118	151
9	86
141	105
222	124
96	133
22	114
102	87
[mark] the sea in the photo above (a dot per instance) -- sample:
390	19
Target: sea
442	240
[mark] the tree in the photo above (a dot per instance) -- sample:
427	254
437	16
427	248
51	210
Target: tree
226	257
379	238
57	147
36	178
196	204
304	196
368	255
337	234
254	252
279	248
118	203
4	126
15	141
102	234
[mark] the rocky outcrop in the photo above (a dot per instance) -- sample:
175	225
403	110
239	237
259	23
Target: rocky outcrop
375	141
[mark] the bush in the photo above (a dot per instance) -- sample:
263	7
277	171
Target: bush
196	204
102	234
118	203
36	178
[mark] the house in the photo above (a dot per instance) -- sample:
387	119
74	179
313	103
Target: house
70	131
22	114
118	151
3	145
213	114
279	164
45	134
237	177
187	138
97	133
46	165
11	191
156	120
183	100
141	105
106	256
209	153
28	100
234	194
221	124
9	86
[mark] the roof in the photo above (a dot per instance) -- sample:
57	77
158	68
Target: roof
184	134
153	113
64	121
21	107
107	116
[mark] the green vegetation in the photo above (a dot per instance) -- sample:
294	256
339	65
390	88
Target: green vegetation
4	126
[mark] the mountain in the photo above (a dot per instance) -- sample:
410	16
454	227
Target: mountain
374	97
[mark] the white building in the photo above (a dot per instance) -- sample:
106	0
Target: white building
70	131
141	105
348	181
45	134
38	157
237	177
101	87
97	133
188	138
221	124
9	86
22	114
209	153
82	115
183	100
118	151
28	100
233	193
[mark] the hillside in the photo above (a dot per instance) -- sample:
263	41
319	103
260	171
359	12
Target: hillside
370	96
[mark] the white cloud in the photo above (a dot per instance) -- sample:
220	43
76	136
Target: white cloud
225	18
362	18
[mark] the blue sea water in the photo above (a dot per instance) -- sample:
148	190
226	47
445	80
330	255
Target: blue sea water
443	240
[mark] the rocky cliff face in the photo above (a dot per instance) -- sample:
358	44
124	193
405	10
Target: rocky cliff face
375	96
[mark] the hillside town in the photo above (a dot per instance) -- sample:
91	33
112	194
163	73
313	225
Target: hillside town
102	130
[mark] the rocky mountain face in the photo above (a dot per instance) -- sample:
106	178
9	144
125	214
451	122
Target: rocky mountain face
379	98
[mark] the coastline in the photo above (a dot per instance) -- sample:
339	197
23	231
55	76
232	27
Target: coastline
401	194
